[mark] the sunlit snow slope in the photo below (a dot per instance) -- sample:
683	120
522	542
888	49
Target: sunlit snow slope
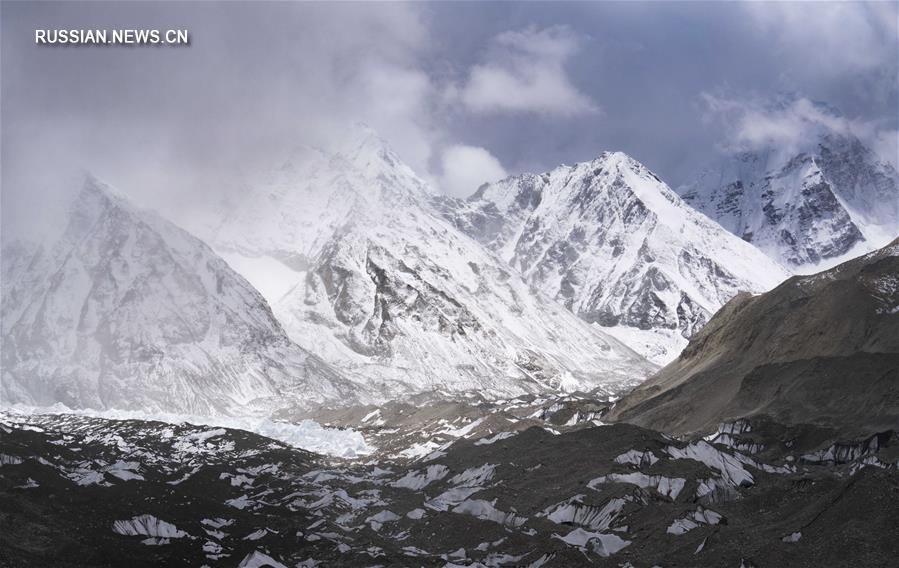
381	286
615	245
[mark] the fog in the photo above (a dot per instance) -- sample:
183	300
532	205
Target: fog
483	90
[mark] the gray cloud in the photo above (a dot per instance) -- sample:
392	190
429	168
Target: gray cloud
178	127
830	38
171	125
790	124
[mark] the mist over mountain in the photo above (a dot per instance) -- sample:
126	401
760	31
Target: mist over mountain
362	270
811	198
122	309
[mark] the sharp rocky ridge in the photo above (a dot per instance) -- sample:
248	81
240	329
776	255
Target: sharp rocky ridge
812	206
361	269
615	245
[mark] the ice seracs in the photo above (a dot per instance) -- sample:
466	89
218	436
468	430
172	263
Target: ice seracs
482	505
147	525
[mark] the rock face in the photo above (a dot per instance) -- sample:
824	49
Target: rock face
816	349
826	203
362	270
125	310
612	243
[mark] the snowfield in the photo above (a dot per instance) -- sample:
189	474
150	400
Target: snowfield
306	434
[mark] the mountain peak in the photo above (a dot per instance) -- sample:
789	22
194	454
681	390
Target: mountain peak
373	157
379	284
613	156
93	186
615	245
621	161
624	173
123	309
361	138
811	202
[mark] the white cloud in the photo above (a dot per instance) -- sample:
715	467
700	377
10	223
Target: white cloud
755	123
885	143
790	124
465	168
395	101
525	72
172	130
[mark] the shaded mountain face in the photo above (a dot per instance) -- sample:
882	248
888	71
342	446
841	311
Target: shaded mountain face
820	349
125	310
361	270
613	244
831	201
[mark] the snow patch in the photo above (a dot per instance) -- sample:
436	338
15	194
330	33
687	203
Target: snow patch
258	559
147	525
667	486
494	439
604	545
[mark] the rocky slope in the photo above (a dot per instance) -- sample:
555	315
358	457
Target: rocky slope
122	309
361	270
617	247
810	208
820	349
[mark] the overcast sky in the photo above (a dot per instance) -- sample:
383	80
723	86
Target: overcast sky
465	92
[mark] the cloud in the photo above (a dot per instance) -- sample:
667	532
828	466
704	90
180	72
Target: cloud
790	124
525	72
171	126
465	168
396	101
830	37
885	143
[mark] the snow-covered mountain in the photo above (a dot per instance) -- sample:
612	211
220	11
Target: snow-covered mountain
616	246
361	270
124	310
810	208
